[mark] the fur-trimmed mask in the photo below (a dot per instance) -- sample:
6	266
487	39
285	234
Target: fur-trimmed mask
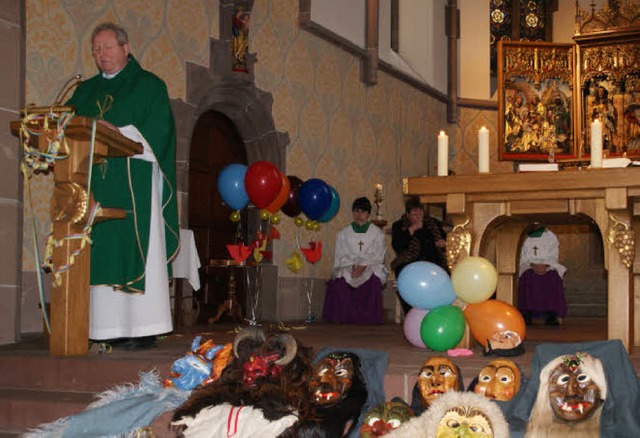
574	394
570	398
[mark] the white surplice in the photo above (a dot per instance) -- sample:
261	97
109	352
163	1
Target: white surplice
115	314
366	249
543	250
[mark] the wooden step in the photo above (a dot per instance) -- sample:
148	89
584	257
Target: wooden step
23	409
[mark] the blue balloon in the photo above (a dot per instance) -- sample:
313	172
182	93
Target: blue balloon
333	207
314	198
231	186
425	285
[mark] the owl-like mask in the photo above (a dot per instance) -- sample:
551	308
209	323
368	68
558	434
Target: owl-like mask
384	418
464	421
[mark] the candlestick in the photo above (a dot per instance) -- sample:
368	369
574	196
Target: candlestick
483	150
596	143
443	154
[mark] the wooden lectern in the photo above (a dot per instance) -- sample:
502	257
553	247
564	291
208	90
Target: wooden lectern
70	207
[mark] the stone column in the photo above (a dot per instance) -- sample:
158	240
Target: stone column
12	91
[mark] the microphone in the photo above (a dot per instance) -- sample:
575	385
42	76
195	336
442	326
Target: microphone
68	86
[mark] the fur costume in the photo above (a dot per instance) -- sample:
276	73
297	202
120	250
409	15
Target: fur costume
267	379
426	425
621	410
544	423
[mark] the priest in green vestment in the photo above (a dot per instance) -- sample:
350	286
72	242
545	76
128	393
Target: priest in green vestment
130	257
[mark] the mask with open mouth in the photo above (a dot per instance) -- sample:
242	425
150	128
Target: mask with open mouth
573	393
332	378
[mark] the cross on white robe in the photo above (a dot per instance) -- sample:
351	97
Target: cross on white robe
542	250
365	249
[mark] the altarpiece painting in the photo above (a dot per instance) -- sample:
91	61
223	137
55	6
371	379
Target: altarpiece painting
608	75
536	103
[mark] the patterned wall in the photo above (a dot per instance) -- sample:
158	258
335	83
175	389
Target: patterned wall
350	135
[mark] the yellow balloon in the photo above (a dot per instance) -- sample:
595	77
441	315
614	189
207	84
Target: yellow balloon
474	279
264	215
309	225
298	221
275	219
235	216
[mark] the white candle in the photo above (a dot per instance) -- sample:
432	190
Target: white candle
596	143
443	154
483	150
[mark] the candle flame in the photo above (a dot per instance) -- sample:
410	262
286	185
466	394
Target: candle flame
442	134
483	129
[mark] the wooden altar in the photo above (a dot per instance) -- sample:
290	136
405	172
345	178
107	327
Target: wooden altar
70	213
503	205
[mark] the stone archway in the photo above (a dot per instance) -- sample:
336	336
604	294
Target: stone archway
219	89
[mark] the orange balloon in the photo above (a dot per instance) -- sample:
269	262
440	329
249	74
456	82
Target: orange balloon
282	196
492	316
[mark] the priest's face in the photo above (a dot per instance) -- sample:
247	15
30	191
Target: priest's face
110	56
437	376
573	394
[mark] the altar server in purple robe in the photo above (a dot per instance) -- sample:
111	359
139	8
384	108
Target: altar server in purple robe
540	288
354	293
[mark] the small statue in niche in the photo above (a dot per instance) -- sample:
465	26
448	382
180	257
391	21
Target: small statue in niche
240	39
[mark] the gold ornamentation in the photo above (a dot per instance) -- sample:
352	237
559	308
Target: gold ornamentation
458	240
69	203
535	65
607	18
623	239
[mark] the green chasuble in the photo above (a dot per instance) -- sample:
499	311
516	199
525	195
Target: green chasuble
134	97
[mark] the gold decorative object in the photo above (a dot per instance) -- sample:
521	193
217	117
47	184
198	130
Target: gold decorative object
458	240
623	239
624	15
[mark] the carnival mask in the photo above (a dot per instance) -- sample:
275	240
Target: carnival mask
258	367
505	340
437	376
383	418
573	394
498	380
331	379
464	421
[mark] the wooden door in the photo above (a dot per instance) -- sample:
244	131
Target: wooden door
215	144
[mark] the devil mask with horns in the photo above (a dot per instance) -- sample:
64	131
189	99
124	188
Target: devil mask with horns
262	389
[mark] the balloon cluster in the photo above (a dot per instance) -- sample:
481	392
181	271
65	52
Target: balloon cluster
271	191
435	323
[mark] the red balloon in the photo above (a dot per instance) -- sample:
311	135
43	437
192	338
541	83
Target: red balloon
492	316
282	196
291	207
262	183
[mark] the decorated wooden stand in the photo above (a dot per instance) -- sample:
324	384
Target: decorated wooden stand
71	206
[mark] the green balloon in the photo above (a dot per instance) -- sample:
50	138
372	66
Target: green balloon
442	328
